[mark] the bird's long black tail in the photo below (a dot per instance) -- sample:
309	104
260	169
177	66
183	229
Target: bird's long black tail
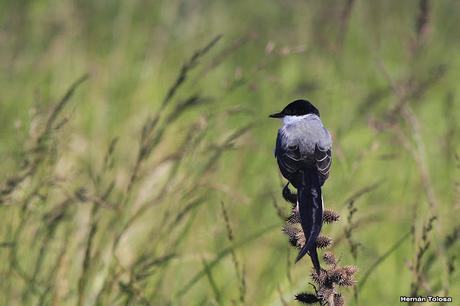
311	214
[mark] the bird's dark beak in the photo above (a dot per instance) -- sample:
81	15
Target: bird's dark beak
276	115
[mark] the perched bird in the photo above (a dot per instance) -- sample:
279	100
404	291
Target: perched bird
303	152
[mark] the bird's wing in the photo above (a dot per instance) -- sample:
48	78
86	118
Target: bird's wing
323	157
289	159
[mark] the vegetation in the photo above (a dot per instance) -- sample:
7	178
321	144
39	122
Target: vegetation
137	153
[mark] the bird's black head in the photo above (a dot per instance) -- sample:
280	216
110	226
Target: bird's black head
297	108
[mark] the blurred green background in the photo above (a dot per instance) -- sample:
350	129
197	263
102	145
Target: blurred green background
126	197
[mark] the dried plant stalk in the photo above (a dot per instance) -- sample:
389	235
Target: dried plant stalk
331	278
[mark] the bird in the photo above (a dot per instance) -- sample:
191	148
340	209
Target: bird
303	152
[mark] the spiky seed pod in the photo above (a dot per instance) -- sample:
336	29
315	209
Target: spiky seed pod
289	229
318	279
350	270
325	292
330	216
346	281
329	258
294	218
338	300
336	275
341	277
291	232
307	298
300	239
327	280
323	242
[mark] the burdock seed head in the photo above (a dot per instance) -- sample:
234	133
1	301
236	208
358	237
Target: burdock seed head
300	239
350	270
292	234
347	282
294	218
318	279
336	275
307	298
325	292
342	276
329	258
330	216
323	242
338	300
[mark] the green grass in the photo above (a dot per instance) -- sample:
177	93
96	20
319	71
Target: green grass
83	225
